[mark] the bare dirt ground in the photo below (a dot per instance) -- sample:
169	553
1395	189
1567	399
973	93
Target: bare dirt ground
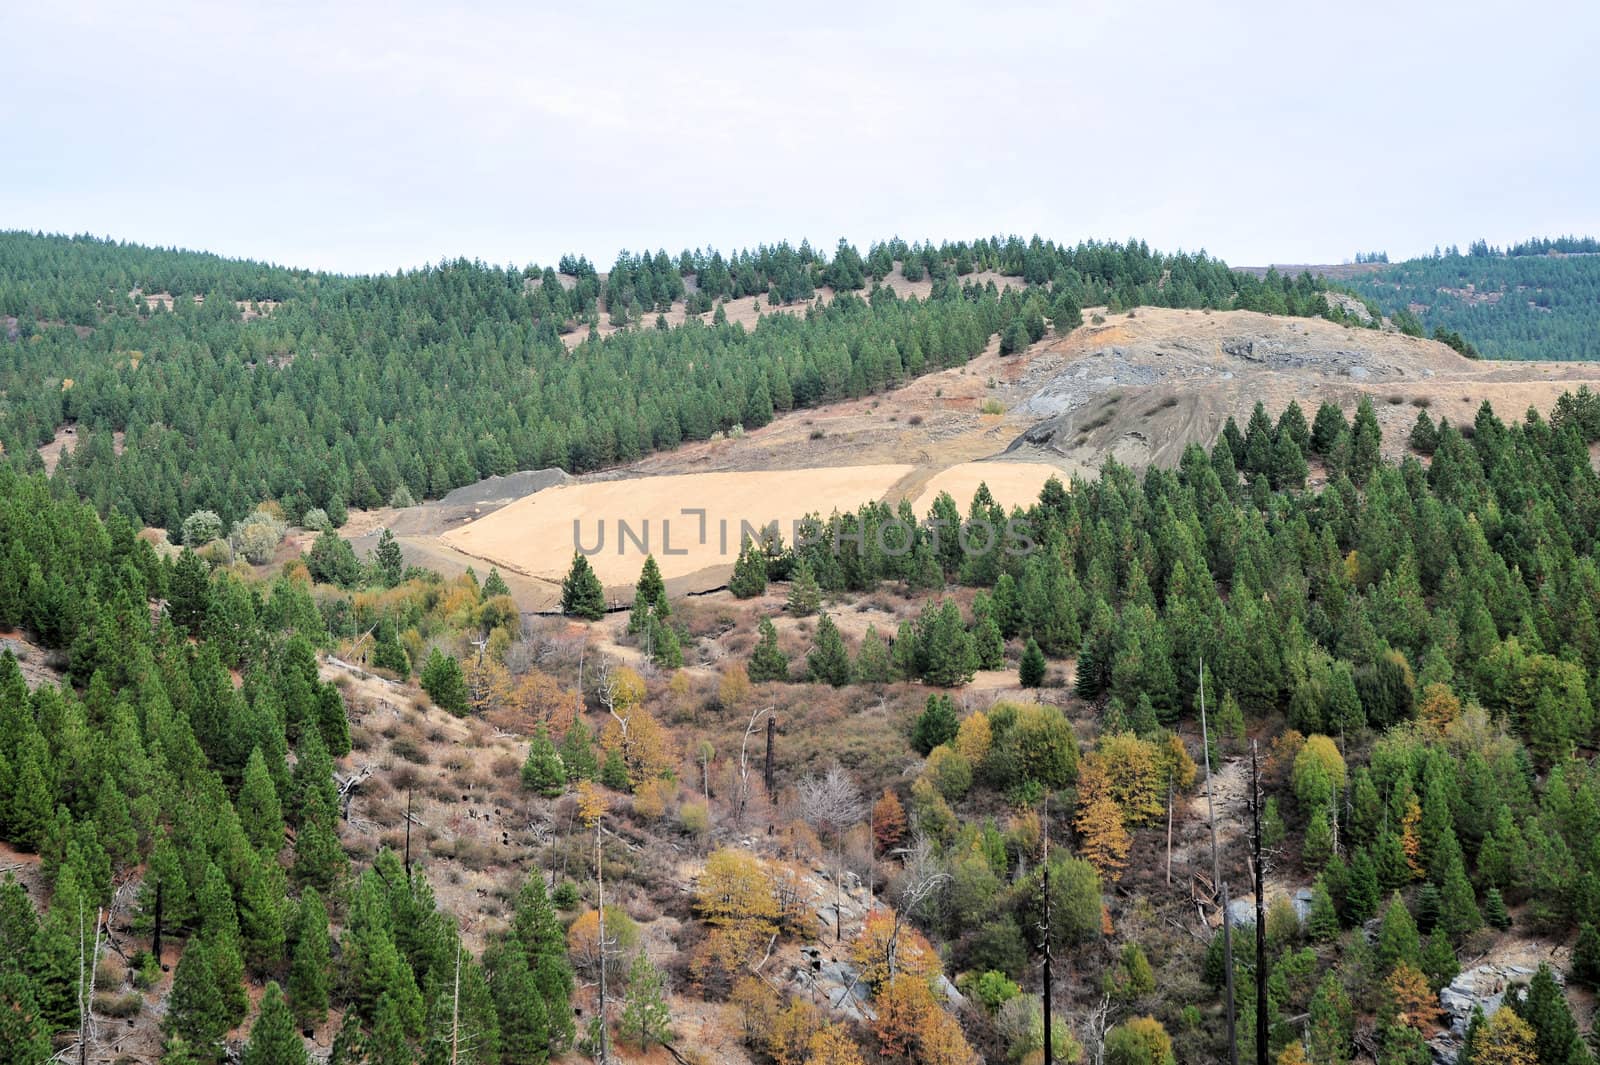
66	439
1138	388
535	535
1013	484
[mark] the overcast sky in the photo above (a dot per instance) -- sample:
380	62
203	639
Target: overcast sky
368	137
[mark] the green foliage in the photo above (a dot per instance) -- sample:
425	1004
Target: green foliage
828	662
542	770
273	1039
581	593
805	596
577	754
767	662
646	1019
389	566
749	571
442	679
1527	305
308	971
936	725
873	665
332	560
1032	670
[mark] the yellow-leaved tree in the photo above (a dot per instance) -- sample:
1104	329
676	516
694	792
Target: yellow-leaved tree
737	896
1102	839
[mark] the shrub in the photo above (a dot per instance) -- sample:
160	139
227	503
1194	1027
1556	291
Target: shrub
202	527
402	498
316	520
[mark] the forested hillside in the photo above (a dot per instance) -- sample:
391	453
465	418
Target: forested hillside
1536	300
1416	648
235	382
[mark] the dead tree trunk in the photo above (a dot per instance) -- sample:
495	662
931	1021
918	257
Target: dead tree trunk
768	770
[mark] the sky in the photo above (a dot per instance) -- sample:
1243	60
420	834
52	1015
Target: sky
369	137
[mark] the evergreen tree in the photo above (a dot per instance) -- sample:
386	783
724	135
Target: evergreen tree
524	1016
23	1034
805	597
828	662
577	754
443	681
260	812
936	725
581	593
749	571
308	971
273	1039
944	647
767	662
1543	1005
387	563
872	660
495	585
646	1020
1032	670
1586	956
190	598
614	771
196	1010
542	771
988	644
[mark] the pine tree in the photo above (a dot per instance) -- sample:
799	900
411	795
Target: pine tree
196	1010
308	971
767	662
1439	962
388	1045
260	812
582	595
495	585
273	1039
1585	955
23	1035
614	771
988	644
350	1045
1397	936
872	660
1032	670
542	771
261	913
387	563
1323	922
1544	1007
1460	909
828	662
577	754
1495	912
944	647
645	1016
443	681
805	597
1328	1030
190	598
524	1017
749	571
1361	889
936	725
